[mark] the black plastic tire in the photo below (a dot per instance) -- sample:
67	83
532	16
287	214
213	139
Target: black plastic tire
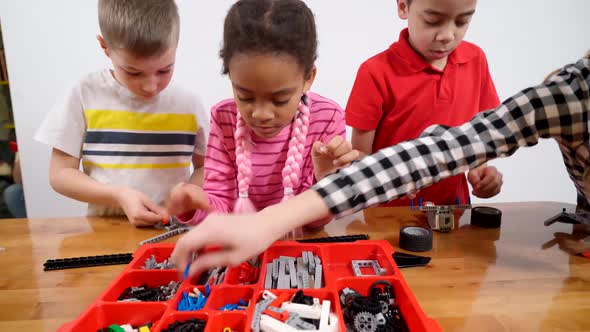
414	238
486	217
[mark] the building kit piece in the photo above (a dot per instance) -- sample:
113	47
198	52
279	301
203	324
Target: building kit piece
294	272
358	264
579	217
440	217
486	217
335	239
162	237
414	238
152	264
268	279
77	262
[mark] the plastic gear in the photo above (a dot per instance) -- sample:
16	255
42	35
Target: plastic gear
365	322
384	307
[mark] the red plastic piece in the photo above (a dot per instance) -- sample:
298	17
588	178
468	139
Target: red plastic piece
13	146
283	316
338	274
280	299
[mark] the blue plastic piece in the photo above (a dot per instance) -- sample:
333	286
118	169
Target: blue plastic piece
420	201
189	303
458	200
188	266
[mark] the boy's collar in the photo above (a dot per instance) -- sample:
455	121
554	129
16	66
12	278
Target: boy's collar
124	92
404	50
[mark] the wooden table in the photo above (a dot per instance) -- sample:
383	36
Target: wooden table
478	279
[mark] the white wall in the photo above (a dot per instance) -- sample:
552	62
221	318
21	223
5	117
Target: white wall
50	43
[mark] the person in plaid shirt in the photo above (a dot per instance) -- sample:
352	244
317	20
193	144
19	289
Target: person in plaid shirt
558	109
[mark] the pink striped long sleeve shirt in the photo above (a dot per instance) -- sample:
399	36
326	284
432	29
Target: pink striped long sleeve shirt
268	156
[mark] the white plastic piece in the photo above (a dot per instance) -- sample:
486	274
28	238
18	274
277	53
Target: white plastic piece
380	319
127	328
332	324
268	295
304	311
325	315
269	324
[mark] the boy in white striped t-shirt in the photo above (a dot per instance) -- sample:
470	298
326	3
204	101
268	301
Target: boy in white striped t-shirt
135	135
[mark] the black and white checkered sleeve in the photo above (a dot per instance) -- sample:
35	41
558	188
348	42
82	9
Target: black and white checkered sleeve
557	108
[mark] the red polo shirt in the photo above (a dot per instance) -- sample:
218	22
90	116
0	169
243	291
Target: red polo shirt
398	94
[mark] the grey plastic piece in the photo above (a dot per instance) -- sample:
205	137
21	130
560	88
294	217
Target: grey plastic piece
284	281
365	322
292	273
311	263
162	237
299	280
357	264
275	269
318	277
275	309
258	310
268	278
305	258
318	261
295	321
305	276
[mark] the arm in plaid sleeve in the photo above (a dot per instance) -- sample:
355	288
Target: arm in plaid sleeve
558	109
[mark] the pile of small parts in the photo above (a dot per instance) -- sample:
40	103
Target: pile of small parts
377	312
145	293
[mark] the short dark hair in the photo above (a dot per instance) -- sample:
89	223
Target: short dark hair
270	26
142	27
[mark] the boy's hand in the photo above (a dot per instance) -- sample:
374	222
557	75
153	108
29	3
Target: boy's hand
485	180
240	236
186	197
140	209
329	157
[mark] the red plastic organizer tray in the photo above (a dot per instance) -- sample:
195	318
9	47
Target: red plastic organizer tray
337	274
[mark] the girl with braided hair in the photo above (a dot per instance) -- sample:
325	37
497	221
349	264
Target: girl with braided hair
275	138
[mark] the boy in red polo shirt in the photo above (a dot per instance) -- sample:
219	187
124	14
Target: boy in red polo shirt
429	76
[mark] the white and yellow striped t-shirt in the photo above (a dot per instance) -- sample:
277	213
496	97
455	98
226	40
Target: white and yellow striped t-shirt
122	139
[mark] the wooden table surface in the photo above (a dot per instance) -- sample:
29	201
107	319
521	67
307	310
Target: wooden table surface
507	279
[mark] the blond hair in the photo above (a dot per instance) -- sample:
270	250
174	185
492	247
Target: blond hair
142	27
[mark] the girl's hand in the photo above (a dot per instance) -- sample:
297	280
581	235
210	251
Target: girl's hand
329	157
186	197
239	236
